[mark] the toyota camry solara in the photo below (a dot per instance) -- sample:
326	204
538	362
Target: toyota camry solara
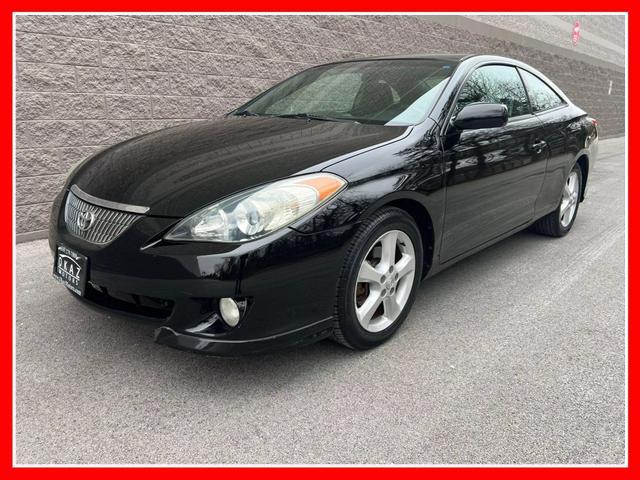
316	209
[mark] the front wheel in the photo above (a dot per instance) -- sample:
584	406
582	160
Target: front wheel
379	279
559	222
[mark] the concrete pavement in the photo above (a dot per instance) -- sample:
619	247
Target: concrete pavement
515	355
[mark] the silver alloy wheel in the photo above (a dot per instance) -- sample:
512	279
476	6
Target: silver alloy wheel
569	199
385	280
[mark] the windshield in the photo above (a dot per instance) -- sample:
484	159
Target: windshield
388	92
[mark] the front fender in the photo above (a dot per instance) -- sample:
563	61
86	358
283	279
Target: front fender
359	201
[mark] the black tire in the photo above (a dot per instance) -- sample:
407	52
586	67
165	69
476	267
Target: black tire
347	330
550	224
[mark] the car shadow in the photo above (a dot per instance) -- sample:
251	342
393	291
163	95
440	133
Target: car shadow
282	366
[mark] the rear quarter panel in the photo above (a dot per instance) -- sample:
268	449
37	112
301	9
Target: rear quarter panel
568	134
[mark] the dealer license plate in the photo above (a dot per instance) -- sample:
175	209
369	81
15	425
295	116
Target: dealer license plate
70	269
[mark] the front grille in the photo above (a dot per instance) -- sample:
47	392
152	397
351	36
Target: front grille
93	223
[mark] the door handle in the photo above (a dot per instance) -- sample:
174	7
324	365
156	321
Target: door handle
538	146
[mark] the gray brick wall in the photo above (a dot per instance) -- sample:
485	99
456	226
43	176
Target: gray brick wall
601	36
86	82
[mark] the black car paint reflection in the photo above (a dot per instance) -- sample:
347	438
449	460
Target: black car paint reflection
466	190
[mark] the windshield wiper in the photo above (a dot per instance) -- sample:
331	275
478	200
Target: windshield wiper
313	116
246	113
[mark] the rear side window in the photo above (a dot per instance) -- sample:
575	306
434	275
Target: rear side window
495	84
542	95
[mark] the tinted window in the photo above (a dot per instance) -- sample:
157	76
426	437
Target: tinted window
495	84
393	92
542	96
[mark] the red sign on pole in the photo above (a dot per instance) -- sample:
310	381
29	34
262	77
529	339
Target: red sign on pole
575	36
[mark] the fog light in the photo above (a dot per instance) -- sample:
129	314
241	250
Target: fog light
229	311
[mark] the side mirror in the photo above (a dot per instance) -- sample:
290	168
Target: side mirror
481	115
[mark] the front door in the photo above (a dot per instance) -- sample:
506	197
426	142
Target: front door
494	175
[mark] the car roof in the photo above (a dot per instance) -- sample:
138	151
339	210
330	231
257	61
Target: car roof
446	57
475	59
451	57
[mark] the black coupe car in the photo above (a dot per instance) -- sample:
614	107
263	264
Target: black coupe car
315	209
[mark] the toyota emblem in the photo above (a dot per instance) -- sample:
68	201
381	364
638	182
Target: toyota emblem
85	220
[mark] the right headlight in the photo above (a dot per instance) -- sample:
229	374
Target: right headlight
259	211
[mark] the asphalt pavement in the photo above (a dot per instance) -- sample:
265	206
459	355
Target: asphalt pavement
514	355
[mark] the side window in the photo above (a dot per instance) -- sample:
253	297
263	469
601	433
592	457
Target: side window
542	96
495	84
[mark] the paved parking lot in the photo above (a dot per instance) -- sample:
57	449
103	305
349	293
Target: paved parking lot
515	355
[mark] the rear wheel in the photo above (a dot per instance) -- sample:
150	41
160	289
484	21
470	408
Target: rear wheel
378	282
559	222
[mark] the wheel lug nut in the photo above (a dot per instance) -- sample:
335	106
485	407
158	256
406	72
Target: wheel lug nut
390	269
396	276
383	279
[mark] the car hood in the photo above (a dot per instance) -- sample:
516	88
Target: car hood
181	169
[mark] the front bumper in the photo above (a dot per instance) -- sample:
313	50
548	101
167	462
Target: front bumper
288	280
217	346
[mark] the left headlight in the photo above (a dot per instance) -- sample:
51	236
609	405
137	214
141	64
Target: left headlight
259	211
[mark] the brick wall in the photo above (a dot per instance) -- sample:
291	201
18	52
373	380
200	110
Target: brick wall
86	82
